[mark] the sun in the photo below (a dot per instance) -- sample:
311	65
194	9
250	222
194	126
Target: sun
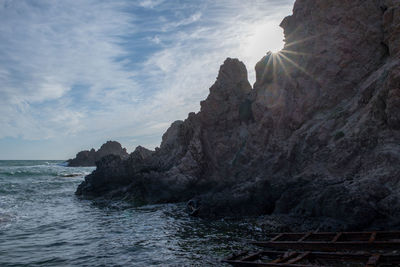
264	36
260	38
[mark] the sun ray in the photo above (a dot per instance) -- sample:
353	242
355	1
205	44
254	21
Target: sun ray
299	67
274	68
291	52
294	52
267	66
282	65
289	44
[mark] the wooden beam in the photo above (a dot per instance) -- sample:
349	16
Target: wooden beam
337	236
276	237
330	246
266	264
285	257
235	256
252	256
290	258
373	260
304	237
299	258
372	238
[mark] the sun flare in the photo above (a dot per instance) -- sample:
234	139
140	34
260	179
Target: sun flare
267	35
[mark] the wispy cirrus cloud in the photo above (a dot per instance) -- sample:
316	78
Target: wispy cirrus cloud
47	50
96	70
150	3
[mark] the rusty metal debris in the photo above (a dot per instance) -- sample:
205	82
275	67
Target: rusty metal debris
325	249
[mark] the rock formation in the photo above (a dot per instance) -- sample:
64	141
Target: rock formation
88	158
318	135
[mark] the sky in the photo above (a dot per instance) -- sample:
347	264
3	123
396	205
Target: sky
74	74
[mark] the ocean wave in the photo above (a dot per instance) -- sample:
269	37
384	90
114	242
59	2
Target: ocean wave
72	174
47	170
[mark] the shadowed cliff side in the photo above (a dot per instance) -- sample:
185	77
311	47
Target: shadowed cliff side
318	136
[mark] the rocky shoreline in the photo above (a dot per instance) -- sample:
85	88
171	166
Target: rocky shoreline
317	136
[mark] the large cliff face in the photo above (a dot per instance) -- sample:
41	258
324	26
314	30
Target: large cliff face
317	136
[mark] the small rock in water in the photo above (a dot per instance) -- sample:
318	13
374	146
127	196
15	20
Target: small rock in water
71	175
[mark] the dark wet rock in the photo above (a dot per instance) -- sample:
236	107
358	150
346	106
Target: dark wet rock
71	175
88	158
318	136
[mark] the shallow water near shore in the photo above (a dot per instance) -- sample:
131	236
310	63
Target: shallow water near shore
42	223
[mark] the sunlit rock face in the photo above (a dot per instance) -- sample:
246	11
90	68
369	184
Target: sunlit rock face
89	158
331	100
318	136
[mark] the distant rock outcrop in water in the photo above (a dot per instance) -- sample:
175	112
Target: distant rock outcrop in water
318	135
88	158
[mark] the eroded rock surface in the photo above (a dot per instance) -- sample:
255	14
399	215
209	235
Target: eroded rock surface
317	135
89	157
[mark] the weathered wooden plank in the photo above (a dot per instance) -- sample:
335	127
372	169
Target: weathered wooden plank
235	256
361	257
372	238
385	233
373	260
299	258
330	246
304	237
277	237
285	257
266	264
326	246
337	236
253	256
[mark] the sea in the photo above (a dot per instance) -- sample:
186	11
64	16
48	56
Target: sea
43	223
